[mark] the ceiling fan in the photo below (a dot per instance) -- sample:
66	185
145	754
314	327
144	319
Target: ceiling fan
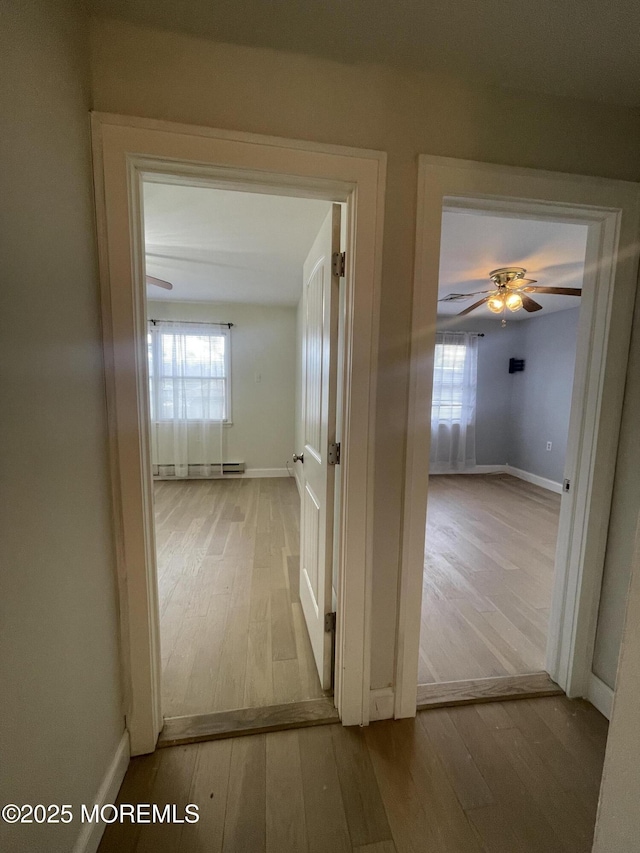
510	290
159	282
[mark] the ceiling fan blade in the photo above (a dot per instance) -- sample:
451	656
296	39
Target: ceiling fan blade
559	291
473	307
159	282
529	304
456	297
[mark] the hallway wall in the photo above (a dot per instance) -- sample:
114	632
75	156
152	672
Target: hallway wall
62	716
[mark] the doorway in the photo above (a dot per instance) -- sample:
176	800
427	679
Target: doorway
231	282
126	153
509	298
609	212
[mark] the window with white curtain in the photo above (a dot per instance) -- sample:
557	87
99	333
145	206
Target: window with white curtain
453	404
449	364
189	372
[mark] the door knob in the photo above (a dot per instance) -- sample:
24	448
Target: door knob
297	458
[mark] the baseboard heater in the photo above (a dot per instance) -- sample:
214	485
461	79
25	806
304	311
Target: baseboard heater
198	471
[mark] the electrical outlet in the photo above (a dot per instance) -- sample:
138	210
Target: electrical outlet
549	445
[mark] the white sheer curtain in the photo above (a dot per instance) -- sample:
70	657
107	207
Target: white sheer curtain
188	388
453	407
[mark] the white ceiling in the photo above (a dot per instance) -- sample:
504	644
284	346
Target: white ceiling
226	246
580	48
473	245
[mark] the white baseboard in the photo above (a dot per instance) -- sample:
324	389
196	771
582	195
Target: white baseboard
551	485
477	469
264	472
247	474
381	704
90	835
600	695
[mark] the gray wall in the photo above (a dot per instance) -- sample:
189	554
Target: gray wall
540	401
518	413
61	717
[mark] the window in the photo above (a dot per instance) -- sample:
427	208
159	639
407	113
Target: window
448	389
188	372
453	404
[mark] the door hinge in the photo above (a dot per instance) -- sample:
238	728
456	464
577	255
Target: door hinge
337	263
566	485
333	456
329	622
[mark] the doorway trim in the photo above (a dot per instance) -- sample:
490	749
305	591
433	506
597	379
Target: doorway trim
611	209
124	150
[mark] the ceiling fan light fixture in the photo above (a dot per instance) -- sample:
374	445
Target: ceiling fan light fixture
513	301
511	290
510	278
496	304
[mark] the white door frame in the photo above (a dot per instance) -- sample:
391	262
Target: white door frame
611	210
125	149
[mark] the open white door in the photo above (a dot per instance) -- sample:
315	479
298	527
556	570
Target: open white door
320	295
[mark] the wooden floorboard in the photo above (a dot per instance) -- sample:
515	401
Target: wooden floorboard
245	721
505	777
231	630
450	693
488	576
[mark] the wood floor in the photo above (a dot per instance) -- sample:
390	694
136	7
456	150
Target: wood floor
512	777
231	626
489	563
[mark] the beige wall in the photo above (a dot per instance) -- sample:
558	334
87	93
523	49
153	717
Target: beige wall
618	823
624	516
62	717
164	75
263	341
